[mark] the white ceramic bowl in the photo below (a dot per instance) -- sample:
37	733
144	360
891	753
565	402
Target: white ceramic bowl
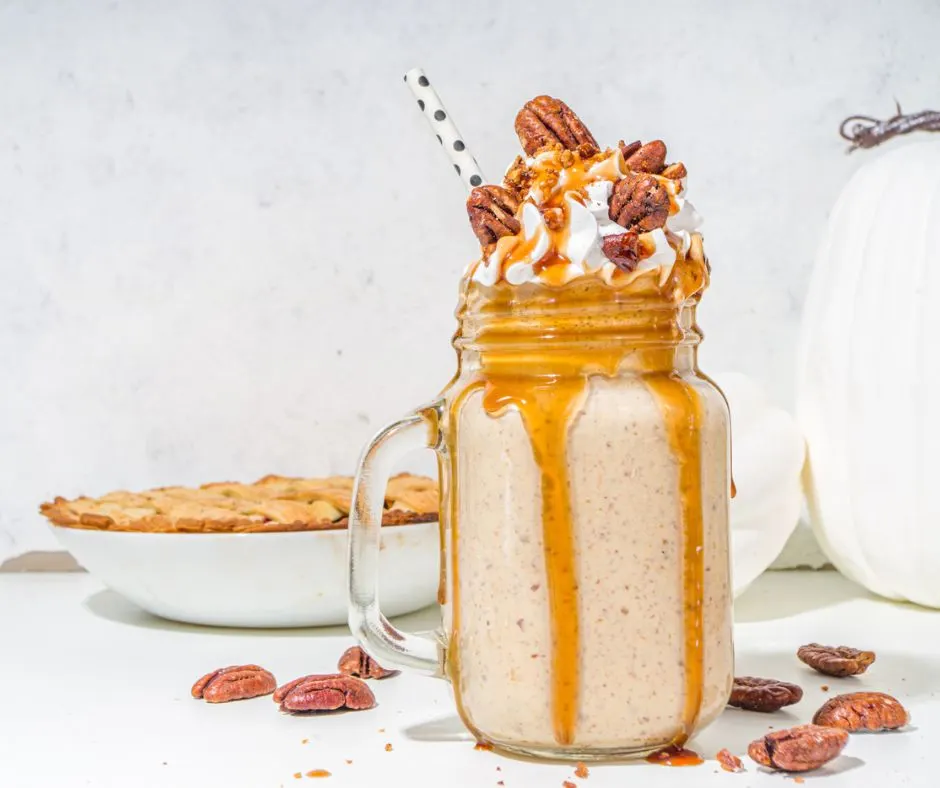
294	579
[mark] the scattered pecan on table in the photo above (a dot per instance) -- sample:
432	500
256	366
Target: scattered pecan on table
545	121
839	661
863	711
729	761
799	749
639	202
324	693
238	682
492	212
765	695
355	662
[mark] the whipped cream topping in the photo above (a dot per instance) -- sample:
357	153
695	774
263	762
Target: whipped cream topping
575	194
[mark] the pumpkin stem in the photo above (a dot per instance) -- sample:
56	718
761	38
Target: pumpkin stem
867	132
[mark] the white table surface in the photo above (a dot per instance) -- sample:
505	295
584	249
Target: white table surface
96	693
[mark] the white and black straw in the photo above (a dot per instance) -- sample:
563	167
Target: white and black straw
443	126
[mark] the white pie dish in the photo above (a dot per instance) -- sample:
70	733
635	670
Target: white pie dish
284	579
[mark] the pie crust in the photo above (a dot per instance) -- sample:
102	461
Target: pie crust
274	503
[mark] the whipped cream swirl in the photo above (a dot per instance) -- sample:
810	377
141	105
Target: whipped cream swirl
578	195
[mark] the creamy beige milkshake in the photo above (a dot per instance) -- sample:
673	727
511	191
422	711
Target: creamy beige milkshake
588	597
628	540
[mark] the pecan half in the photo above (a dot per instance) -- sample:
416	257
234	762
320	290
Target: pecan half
837	661
628	150
622	250
648	158
492	213
237	682
355	662
324	693
799	749
546	121
729	761
639	202
675	172
764	695
863	711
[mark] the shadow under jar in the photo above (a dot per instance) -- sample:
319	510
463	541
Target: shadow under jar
584	518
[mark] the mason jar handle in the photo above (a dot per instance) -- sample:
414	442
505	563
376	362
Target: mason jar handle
420	430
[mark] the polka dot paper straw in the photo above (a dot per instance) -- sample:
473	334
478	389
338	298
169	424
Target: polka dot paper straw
442	124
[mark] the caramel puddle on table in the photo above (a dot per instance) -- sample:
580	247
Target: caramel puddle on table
675	756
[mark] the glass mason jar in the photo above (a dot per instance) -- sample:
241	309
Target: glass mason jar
585	479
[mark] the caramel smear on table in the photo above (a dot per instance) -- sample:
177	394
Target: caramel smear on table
675	756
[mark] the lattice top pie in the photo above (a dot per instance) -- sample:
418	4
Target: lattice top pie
274	503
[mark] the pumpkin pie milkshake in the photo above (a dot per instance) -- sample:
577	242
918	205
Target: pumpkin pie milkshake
585	458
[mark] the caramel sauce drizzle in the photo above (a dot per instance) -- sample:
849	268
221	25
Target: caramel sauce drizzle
452	658
444	493
522	249
682	414
527	364
546	408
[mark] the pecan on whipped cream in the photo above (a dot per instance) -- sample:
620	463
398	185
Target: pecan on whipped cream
615	214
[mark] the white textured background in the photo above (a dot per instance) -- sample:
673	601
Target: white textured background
228	246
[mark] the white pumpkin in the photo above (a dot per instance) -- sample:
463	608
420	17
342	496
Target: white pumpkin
868	380
768	452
